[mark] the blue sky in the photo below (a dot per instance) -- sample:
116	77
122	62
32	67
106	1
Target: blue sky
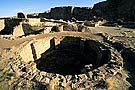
11	7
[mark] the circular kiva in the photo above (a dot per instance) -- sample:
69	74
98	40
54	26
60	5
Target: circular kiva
75	60
75	55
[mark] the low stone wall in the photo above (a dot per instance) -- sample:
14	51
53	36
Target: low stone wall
26	53
34	21
47	29
10	24
2	24
18	30
33	50
41	46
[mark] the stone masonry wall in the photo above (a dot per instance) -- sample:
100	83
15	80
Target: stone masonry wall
82	13
9	25
41	46
26	53
18	30
67	13
34	21
61	13
2	24
33	50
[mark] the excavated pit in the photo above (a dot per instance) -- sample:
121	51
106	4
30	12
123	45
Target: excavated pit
72	55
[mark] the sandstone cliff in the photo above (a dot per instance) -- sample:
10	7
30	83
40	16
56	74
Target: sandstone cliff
116	9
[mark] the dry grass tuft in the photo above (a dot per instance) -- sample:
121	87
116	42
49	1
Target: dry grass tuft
118	81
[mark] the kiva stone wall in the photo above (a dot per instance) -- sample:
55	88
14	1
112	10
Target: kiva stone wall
32	51
41	46
64	13
26	53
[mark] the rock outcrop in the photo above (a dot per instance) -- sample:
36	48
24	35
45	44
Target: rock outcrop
116	9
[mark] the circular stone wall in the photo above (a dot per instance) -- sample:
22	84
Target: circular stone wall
72	55
74	63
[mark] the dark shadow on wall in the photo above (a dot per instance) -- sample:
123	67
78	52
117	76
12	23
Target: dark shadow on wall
55	29
71	55
9	26
128	55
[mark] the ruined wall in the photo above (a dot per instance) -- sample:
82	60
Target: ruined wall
28	29
32	51
10	24
18	30
34	21
44	15
50	23
47	29
35	15
21	15
41	46
26	53
61	13
110	10
82	13
2	24
67	13
17	27
60	28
